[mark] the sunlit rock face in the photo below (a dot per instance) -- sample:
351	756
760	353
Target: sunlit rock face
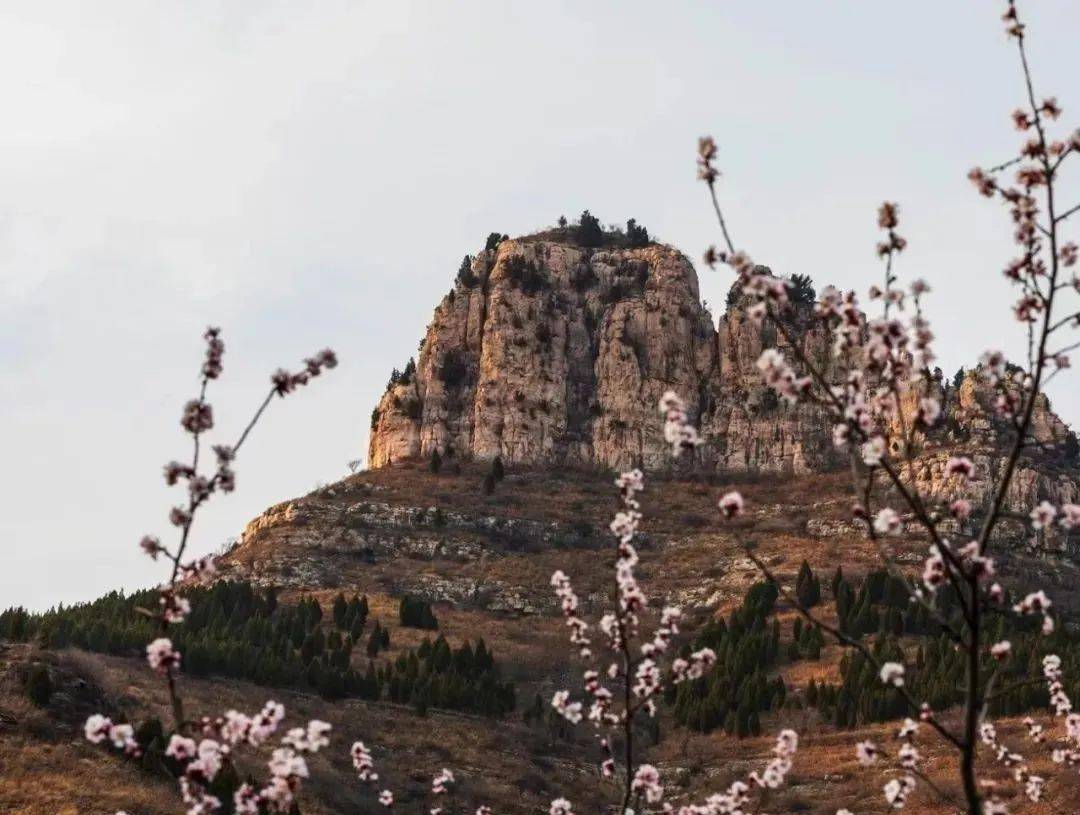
545	352
553	353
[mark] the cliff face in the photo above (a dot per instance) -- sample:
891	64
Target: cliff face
553	353
550	353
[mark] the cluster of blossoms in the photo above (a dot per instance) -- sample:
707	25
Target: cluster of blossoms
365	770
161	655
896	790
1037	603
441	782
787	743
1044	515
101	730
200	761
285	382
781	377
1032	784
736	798
568	601
363	762
967	563
647	784
1069	752
620	626
678	431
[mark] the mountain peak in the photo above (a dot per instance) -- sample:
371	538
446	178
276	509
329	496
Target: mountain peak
547	352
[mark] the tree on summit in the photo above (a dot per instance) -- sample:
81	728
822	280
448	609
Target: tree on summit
801	289
589	231
636	236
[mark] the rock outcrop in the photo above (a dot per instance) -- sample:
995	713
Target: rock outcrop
546	352
549	352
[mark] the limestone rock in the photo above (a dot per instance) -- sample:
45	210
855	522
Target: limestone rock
554	353
548	353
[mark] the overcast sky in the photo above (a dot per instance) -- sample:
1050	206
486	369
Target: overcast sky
310	174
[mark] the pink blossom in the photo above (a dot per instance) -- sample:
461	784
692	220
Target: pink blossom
174	608
897	791
310	739
909	756
647	782
840	435
151	546
959	466
287	763
887	522
908	729
678	432
934	573
362	761
97	728
731	504
161	656
960	509
198	417
246	800
1070	516
873	451
892	673
866	752
441	781
1043	515
181	748
571	711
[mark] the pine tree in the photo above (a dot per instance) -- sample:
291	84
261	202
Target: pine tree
374	643
589	231
807	587
636	235
341	607
838	578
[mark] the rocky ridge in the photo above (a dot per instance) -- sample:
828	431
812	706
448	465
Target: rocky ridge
549	353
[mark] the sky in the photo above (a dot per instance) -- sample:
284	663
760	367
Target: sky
311	174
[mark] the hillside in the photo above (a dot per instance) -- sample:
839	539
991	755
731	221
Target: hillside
493	458
485	565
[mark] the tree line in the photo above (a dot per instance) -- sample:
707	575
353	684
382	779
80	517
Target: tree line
241	631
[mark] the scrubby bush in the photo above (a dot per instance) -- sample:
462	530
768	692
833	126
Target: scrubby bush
39	687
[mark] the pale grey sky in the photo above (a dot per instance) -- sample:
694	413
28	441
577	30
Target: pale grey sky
310	174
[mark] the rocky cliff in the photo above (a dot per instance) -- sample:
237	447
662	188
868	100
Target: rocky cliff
546	352
549	352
